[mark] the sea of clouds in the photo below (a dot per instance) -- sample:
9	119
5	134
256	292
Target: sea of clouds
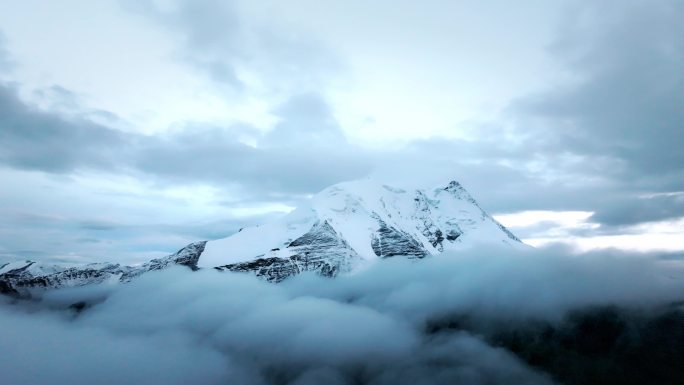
379	326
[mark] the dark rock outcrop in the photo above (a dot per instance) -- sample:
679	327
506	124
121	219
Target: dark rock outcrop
389	242
320	250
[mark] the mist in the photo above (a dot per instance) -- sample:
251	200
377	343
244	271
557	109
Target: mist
467	318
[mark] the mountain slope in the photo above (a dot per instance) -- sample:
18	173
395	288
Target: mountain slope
350	225
344	228
24	277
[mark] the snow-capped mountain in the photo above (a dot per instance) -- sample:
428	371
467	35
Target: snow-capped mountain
24	277
351	225
344	228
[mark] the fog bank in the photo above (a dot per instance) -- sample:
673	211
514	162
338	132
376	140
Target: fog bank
373	327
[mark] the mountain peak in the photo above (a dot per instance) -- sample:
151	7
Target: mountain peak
370	221
342	229
454	186
459	191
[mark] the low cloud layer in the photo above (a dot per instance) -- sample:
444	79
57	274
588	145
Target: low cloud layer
380	326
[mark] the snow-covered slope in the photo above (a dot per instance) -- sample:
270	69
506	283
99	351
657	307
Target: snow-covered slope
24	278
353	224
344	228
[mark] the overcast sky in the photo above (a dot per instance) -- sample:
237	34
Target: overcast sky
131	128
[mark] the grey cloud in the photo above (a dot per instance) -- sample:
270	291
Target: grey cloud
306	121
672	256
216	40
598	141
69	106
88	240
38	140
57	354
97	225
215	229
497	174
304	153
640	209
594	144
627	103
5	62
285	165
210	33
59	98
81	237
542	229
214	157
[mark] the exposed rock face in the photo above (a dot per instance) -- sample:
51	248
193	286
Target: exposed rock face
389	242
508	232
343	228
321	250
429	229
21	278
187	256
